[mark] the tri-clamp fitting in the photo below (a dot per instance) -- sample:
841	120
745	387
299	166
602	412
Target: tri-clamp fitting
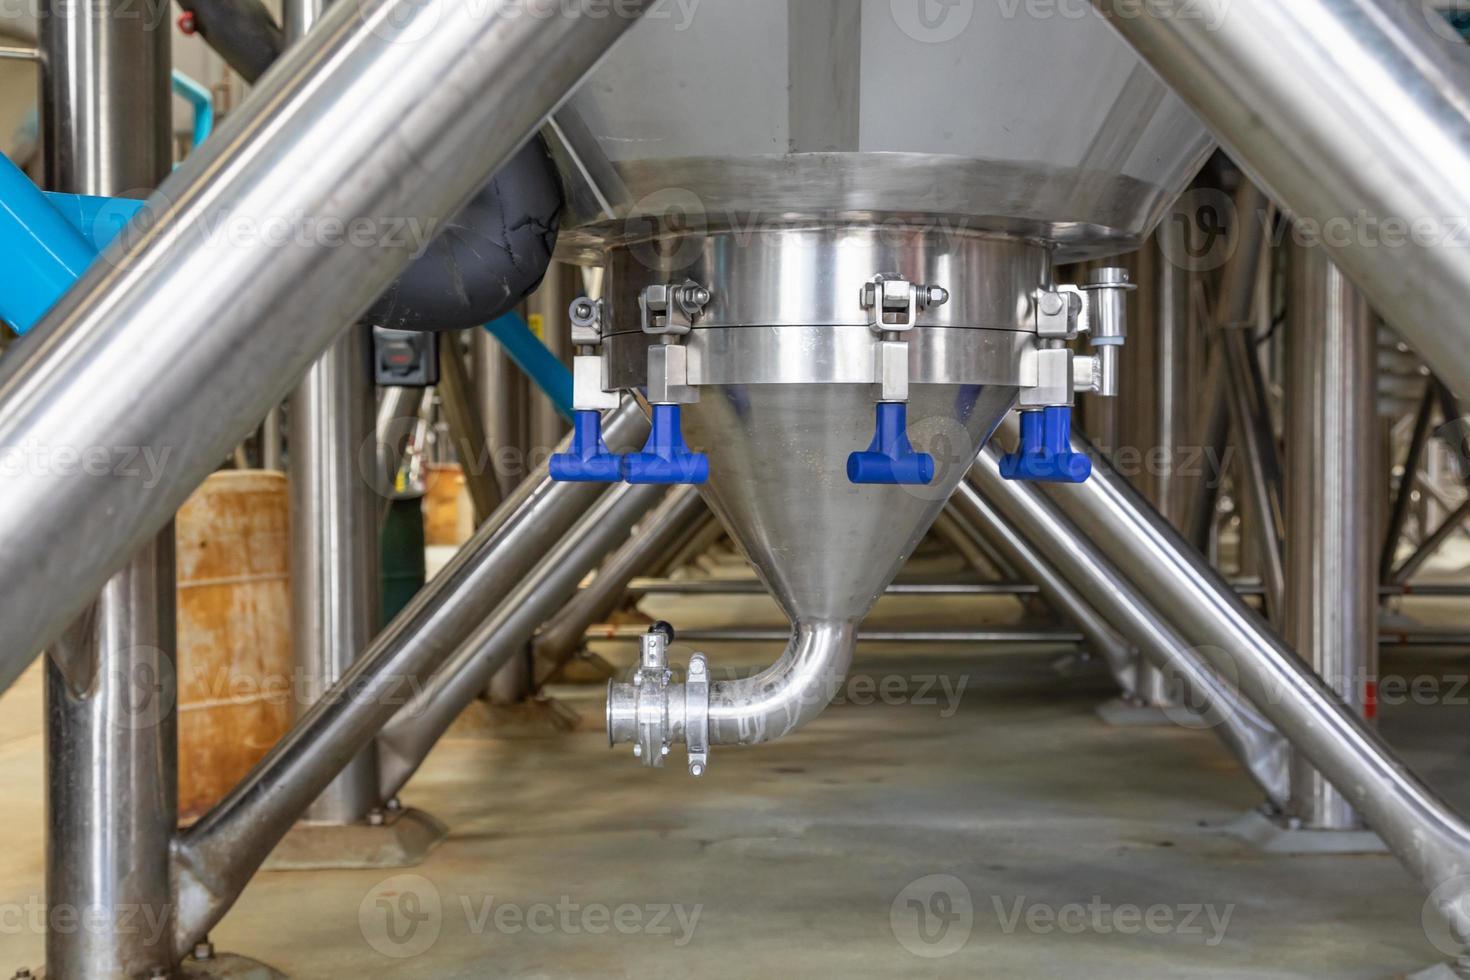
653	712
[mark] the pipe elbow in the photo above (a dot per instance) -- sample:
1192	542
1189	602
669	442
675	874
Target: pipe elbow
653	712
788	694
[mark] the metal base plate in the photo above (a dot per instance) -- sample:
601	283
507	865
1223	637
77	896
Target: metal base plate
1266	834
403	840
1123	713
230	966
220	966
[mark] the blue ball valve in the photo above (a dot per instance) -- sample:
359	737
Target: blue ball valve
891	458
589	461
1045	454
666	459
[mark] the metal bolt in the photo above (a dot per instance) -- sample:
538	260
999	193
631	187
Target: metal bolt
696	769
637	750
1052	304
393	805
936	295
24	973
376	818
664	750
160	973
204	950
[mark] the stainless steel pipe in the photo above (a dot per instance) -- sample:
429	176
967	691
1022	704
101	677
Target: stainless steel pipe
1426	835
1016	547
674	518
1354	115
111	722
382	122
407	740
334	546
215	858
457	397
112	778
1331	584
1210	700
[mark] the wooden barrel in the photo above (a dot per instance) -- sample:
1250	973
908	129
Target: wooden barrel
234	631
449	517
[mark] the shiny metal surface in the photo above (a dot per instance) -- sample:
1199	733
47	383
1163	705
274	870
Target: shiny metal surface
1014	545
335	591
825	548
215	858
506	633
104	79
112	771
1208	698
122	363
1331	585
110	684
665	526
1353	114
1427	836
750	111
334	545
814	274
1155	417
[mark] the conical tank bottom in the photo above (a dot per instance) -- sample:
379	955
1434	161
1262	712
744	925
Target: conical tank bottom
827	549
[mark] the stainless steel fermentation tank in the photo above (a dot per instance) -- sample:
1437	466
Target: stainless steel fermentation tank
806	209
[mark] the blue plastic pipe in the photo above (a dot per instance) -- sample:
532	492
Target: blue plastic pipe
532	357
99	219
44	252
202	102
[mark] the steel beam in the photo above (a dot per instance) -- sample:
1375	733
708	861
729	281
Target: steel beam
1355	115
388	116
1426	835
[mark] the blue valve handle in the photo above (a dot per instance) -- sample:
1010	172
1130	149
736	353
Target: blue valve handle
666	459
589	461
1046	454
891	458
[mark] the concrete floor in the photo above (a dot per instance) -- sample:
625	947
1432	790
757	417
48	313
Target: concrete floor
963	813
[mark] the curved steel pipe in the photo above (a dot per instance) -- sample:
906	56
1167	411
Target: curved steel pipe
786	695
353	125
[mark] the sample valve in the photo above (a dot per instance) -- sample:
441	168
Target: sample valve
653	712
1099	310
894	306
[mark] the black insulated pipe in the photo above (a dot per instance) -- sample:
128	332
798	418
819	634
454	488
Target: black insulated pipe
485	261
